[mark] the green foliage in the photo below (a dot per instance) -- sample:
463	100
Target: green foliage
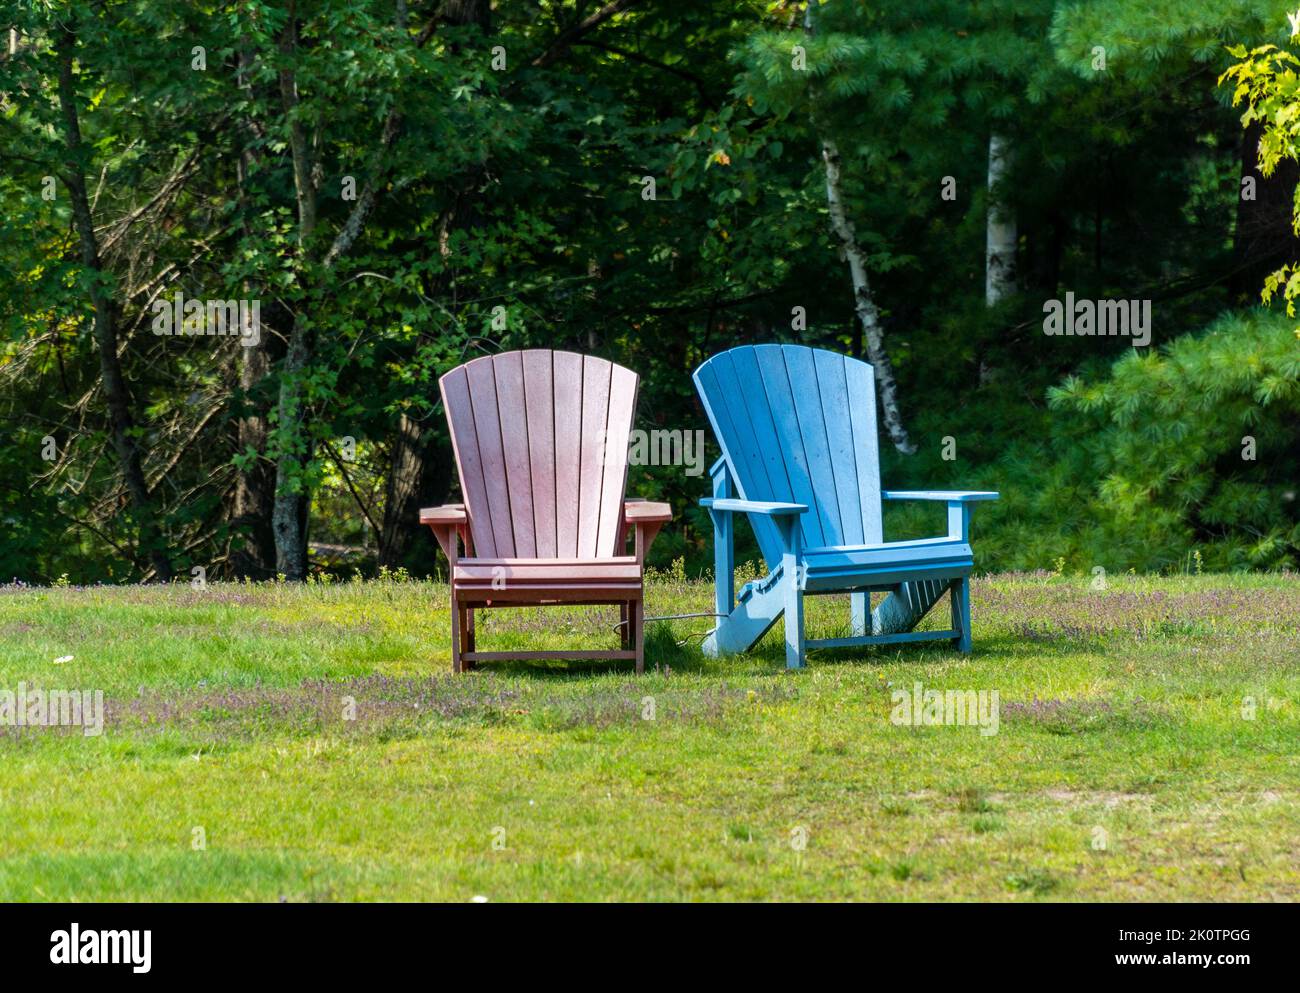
1265	79
1193	448
1144	43
511	214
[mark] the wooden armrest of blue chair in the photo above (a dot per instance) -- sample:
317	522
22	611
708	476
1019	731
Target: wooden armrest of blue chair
730	505
951	496
959	505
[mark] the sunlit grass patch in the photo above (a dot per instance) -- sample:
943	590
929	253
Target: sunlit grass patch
315	741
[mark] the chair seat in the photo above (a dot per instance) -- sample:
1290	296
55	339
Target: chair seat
886	563
548	580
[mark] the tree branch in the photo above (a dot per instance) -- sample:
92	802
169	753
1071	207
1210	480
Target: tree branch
379	533
631	56
570	35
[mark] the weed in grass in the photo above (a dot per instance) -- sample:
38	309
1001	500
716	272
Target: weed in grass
896	808
1078	716
1040	882
1145	783
973	800
740	832
905	870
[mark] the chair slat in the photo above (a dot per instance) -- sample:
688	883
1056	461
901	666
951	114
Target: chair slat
595	418
539	392
487	424
780	395
801	374
568	450
464	439
860	381
724	402
622	408
832	387
512	411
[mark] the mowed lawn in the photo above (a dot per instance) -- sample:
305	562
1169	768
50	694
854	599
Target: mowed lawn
1146	750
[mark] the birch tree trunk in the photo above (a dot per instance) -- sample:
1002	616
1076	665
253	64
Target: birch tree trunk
864	305
1000	246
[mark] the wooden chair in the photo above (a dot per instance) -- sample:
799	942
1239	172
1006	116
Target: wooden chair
541	442
797	428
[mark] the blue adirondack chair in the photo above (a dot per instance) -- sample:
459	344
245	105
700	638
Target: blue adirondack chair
797	428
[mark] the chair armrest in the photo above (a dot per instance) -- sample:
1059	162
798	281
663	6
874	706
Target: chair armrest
733	506
447	523
646	517
636	511
949	496
959	505
452	513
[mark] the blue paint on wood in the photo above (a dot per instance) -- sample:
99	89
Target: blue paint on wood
750	454
833	397
859	613
860	380
724	563
800	456
775	381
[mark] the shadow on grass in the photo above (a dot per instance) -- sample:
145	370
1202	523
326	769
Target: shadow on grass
666	652
663	653
771	652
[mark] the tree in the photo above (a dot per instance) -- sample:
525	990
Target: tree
1265	80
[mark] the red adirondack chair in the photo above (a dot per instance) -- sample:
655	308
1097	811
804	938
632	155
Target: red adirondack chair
541	443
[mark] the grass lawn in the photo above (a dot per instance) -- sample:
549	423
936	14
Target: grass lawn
1124	766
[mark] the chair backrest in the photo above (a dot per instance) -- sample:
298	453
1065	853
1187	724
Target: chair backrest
541	441
798	424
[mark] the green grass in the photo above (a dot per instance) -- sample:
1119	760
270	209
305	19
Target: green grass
1123	767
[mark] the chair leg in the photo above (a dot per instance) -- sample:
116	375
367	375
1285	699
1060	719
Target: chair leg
455	634
624	626
859	612
794	650
467	638
960	594
724	553
637	610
